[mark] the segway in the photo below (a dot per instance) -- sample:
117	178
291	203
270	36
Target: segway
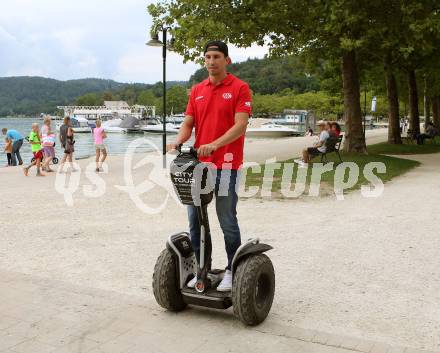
253	284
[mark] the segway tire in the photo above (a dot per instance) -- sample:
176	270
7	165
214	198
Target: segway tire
165	283
253	289
55	160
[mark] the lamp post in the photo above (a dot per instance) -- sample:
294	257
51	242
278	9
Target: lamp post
155	42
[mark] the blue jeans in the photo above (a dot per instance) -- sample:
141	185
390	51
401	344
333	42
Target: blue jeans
226	206
16	152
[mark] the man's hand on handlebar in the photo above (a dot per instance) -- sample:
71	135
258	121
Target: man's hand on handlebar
172	147
206	150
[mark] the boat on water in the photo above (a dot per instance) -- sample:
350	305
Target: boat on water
79	125
271	130
292	117
176	119
111	125
129	124
155	126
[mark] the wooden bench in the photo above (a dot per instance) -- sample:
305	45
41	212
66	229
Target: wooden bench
432	139
333	144
410	137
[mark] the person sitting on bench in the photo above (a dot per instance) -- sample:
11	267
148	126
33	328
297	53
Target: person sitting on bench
430	132
318	148
335	129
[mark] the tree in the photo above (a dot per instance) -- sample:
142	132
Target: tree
177	98
146	97
89	99
107	96
270	75
421	21
331	29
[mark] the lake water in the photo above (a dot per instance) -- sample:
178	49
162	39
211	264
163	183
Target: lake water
116	143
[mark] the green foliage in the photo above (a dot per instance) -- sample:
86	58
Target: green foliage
270	75
177	99
326	106
146	97
89	99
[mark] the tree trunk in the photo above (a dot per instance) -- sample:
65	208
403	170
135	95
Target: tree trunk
393	104
354	135
414	119
436	111
426	103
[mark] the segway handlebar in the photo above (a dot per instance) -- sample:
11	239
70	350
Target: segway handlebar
182	149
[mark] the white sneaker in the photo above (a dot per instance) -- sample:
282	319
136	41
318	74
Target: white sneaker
192	283
298	161
303	165
226	283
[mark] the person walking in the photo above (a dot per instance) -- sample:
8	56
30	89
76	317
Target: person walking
99	135
67	142
17	142
48	138
35	141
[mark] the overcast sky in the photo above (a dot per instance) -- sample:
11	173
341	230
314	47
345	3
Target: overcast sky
69	39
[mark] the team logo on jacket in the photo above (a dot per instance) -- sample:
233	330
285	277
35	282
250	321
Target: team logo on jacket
227	95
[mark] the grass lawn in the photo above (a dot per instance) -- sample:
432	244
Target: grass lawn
394	167
386	148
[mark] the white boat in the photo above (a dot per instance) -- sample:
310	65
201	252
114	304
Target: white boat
176	119
291	117
271	130
79	125
154	126
122	126
111	125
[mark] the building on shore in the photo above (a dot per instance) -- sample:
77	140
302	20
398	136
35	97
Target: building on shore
110	110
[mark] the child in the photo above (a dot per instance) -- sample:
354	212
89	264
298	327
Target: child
8	150
99	135
48	138
35	141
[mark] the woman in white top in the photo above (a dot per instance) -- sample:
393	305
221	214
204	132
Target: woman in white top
48	139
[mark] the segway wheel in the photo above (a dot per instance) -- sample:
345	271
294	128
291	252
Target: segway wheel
253	289
165	283
55	160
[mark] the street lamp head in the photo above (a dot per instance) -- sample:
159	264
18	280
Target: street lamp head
154	41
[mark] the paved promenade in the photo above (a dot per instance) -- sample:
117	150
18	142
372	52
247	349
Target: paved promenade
359	275
43	316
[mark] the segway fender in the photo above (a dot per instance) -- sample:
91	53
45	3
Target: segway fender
253	246
180	246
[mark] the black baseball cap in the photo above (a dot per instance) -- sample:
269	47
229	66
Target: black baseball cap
216	45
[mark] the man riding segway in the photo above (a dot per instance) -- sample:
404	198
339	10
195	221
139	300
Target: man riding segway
219	109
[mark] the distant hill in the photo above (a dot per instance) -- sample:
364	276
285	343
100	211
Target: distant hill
26	95
33	95
270	75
